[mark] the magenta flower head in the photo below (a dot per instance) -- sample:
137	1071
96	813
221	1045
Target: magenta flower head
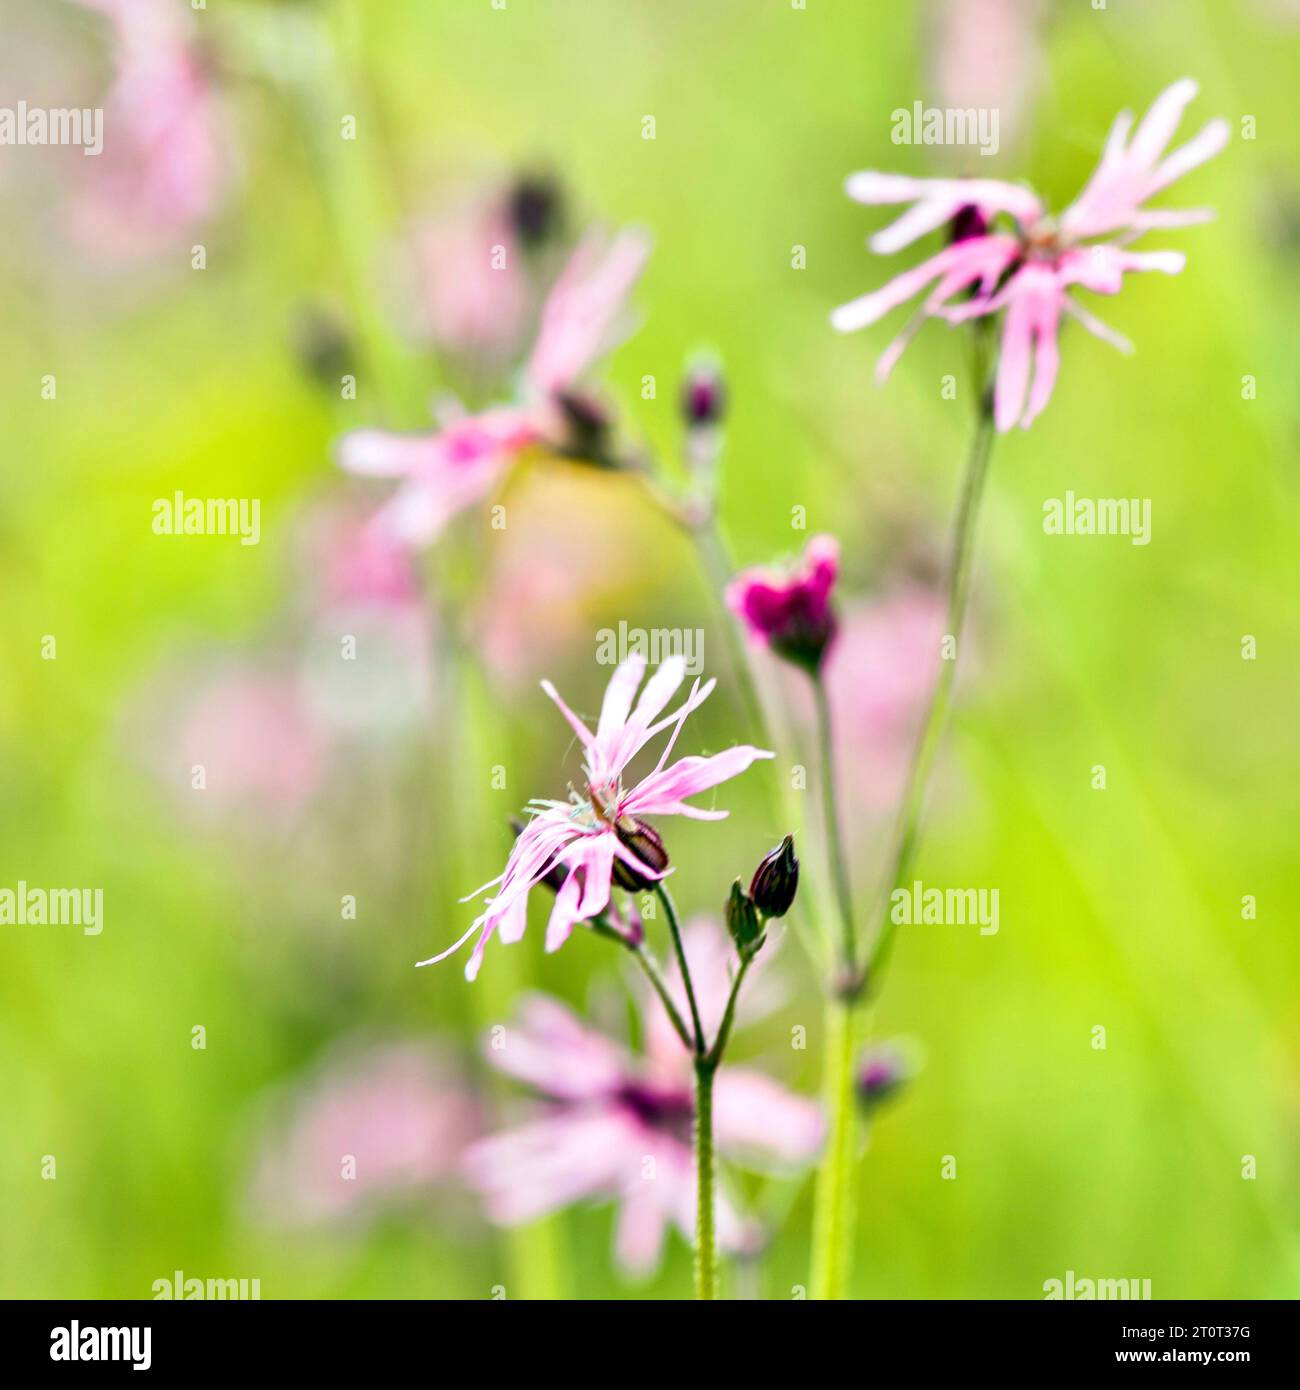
791	612
1006	252
603	824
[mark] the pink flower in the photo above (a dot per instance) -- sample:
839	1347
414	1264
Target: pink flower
583	839
376	1124
445	472
1029	267
165	157
791	612
619	1126
471	290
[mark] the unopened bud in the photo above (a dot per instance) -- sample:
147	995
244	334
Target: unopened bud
704	396
743	921
967	222
881	1074
536	208
776	880
644	842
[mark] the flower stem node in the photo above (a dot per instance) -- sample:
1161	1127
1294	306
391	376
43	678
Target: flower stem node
776	880
744	922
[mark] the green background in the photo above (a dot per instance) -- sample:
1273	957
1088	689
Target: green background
1119	907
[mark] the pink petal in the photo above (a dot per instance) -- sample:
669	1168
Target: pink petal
664	793
758	1119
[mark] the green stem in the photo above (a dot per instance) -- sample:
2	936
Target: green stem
706	1240
834	1208
728	1018
674	927
931	735
831	827
650	967
833	1203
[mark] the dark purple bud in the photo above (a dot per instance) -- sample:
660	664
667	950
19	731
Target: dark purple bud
586	429
643	841
743	921
776	880
968	222
704	396
881	1073
536	209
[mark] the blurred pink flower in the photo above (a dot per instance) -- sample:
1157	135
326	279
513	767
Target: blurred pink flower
260	747
586	836
790	612
986	53
460	464
165	157
619	1125
878	678
1029	269
381	1123
471	292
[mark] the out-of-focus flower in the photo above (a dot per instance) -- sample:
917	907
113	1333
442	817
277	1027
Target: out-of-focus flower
986	55
370	635
791	612
471	289
878	679
536	209
704	394
261	749
1030	267
166	156
374	1125
445	472
618	1126
587	834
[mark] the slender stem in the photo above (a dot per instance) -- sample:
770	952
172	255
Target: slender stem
832	827
716	559
928	740
706	1240
833	1203
834	1215
728	1018
674	926
650	967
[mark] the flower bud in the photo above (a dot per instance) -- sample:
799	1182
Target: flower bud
644	842
881	1074
776	880
535	209
704	396
790	612
743	921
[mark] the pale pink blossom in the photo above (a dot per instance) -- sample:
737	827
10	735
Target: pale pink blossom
583	837
1030	266
463	462
790	611
166	156
471	293
986	54
373	1124
261	748
618	1125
